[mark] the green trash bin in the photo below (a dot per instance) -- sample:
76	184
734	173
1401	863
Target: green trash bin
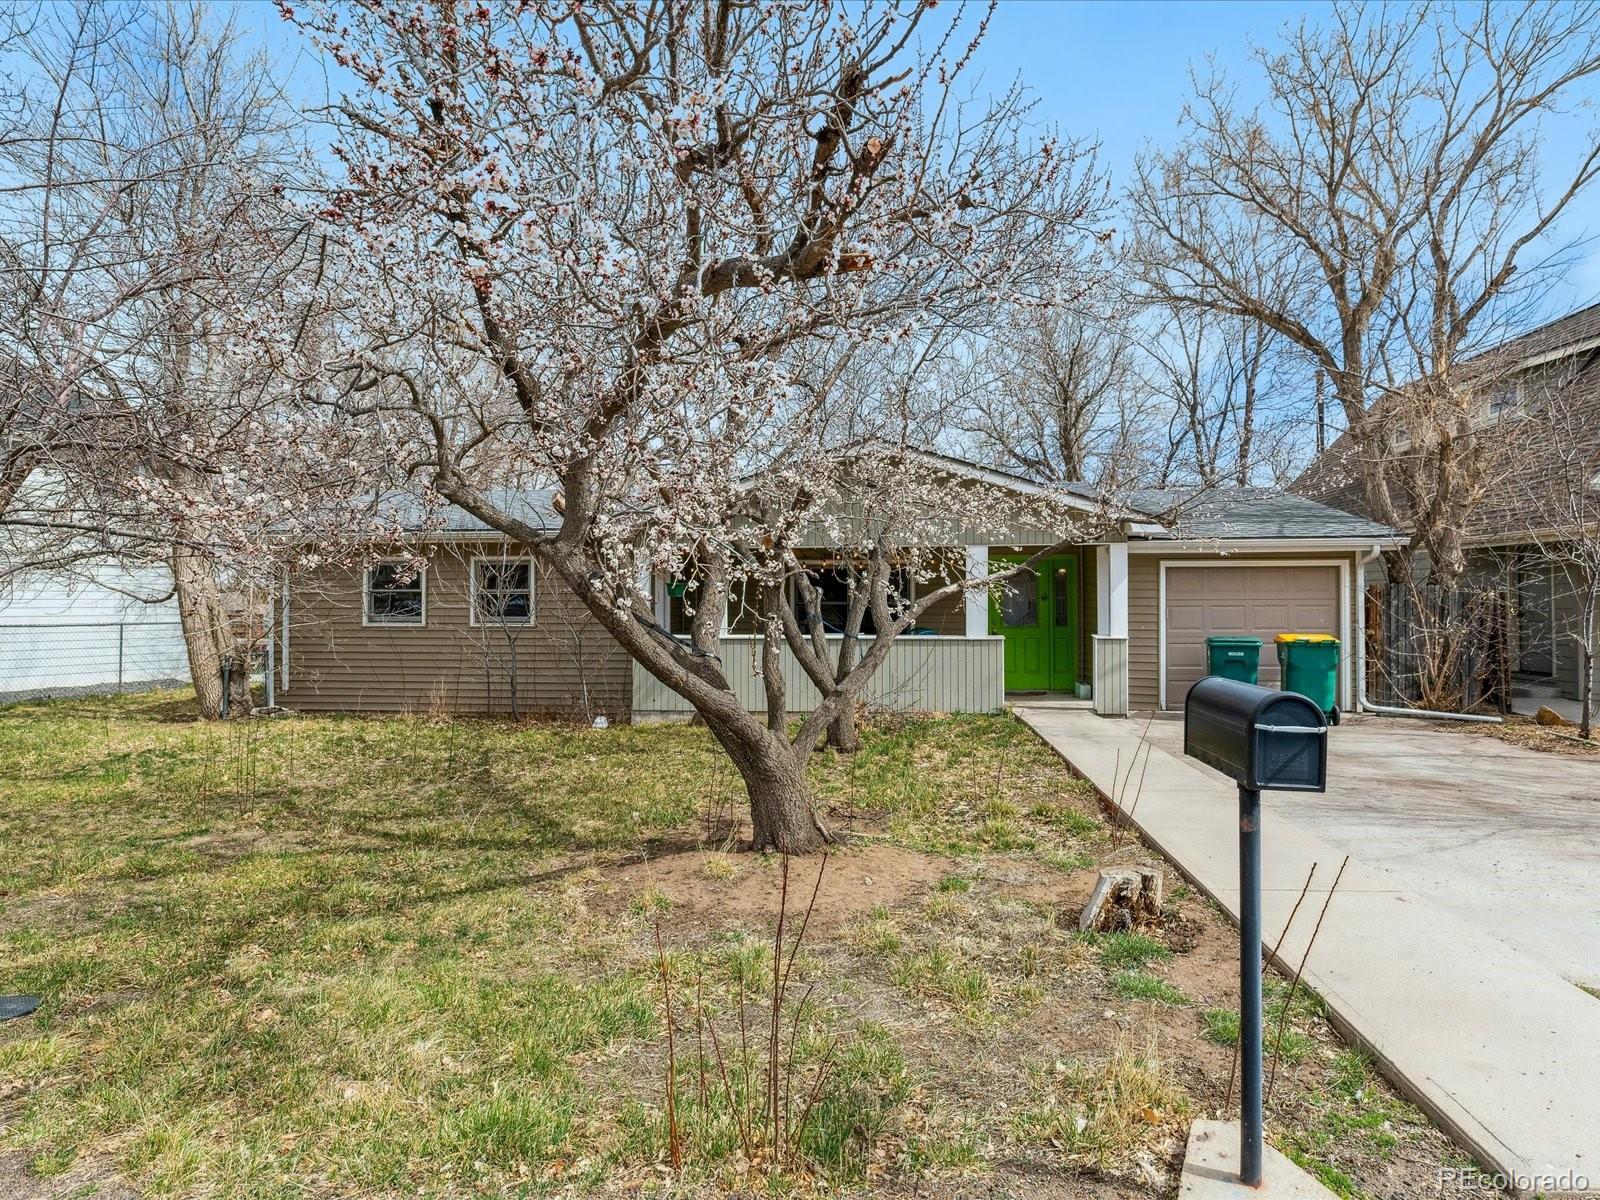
1233	657
1310	665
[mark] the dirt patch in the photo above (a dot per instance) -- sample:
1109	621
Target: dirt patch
1066	895
746	889
1056	998
91	1175
1019	1180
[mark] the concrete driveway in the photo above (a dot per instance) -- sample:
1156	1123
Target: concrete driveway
1508	839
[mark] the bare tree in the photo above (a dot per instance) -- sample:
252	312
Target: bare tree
1375	214
1051	394
67	281
1222	381
626	250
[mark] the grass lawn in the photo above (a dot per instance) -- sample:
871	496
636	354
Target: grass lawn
408	957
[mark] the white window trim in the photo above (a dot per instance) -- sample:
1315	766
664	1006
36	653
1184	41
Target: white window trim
366	596
1350	656
472	591
1490	416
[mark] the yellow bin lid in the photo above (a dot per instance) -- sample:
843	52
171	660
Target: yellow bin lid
1305	637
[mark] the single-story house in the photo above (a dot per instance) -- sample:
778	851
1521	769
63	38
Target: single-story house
481	627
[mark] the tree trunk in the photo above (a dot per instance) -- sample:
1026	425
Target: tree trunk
1435	633
783	815
1586	694
843	734
205	630
782	810
240	698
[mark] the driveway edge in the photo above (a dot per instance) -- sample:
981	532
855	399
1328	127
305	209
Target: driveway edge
1505	1057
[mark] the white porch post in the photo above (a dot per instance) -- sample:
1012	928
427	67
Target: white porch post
1117	590
977	598
653	588
1111	636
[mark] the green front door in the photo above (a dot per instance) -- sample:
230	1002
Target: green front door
1037	614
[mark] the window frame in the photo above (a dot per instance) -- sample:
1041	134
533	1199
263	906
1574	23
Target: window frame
367	617
664	617
472	592
1510	394
796	606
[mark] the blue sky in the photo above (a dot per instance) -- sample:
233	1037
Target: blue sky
1120	71
1117	71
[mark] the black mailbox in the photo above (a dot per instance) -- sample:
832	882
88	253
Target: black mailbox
1261	738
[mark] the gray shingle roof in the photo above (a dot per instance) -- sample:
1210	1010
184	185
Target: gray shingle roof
532	506
1250	513
1221	514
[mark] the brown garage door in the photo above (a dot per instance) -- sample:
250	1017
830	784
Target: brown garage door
1258	601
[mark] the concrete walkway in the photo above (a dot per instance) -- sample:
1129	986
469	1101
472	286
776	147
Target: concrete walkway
1498	1049
1487	830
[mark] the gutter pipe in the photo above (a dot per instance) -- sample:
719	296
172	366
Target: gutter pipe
1365	705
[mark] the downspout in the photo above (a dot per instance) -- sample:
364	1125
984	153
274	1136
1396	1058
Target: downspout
283	635
1365	705
271	663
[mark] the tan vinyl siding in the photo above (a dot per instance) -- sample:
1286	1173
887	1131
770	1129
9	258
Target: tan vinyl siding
1567	619
564	662
1144	613
1144	631
933	674
947	616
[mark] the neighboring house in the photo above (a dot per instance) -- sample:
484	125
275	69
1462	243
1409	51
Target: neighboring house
482	628
96	628
1559	361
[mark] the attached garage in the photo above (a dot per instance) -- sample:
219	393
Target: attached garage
1261	600
1242	561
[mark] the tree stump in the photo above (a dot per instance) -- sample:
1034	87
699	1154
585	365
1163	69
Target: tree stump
1123	898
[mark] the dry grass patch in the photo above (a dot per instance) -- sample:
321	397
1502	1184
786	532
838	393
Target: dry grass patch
412	957
1118	1115
1524	731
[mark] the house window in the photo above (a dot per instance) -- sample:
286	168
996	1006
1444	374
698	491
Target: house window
1019	601
502	591
396	594
833	586
683	602
1400	439
1503	401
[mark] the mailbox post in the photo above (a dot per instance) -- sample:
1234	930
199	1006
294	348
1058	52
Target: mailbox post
1262	739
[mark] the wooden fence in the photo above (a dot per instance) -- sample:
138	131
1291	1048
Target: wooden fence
1448	649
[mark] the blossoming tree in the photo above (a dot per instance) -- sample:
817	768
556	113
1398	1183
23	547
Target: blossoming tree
644	254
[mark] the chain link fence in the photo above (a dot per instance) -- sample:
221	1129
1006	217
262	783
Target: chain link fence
39	661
